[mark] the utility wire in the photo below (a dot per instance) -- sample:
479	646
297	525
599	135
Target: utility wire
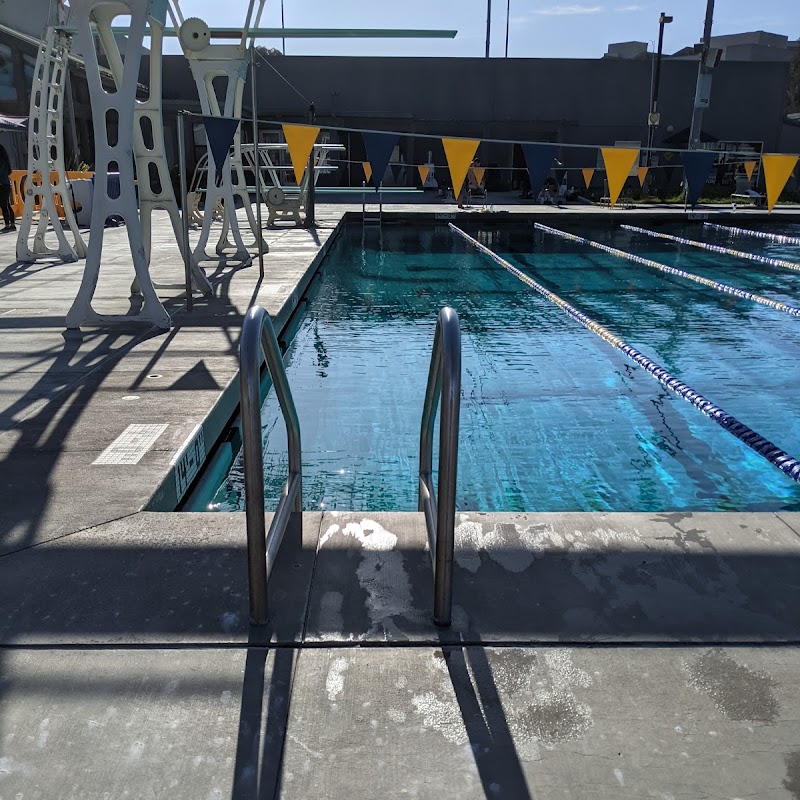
283	77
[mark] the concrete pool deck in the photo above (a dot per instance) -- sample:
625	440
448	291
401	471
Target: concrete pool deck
592	655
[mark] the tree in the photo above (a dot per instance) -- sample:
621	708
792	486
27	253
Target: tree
793	94
268	51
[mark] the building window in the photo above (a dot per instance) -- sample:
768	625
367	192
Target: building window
8	88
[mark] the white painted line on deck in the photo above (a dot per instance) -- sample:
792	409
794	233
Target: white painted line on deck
131	444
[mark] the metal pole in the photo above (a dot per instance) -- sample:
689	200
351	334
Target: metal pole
250	355
448	466
283	25
508	16
256	159
488	25
312	175
653	118
702	92
187	265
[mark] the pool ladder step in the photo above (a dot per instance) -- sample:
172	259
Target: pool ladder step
371	217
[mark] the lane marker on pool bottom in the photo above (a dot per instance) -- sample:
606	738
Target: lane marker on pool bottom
773	237
715	248
777	457
720	287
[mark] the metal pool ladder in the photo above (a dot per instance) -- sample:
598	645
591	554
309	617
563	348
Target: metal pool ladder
444	383
258	343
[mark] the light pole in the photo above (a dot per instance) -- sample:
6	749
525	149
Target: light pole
488	25
653	118
508	17
702	92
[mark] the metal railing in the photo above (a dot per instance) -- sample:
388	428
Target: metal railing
258	343
444	383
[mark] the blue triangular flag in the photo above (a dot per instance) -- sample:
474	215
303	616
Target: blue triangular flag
379	148
539	158
696	166
220	132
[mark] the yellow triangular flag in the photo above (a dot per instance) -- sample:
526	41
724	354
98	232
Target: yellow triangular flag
588	174
479	172
641	174
300	139
460	153
749	166
619	162
777	169
367	170
424	169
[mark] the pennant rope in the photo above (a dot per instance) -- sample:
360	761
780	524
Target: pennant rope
300	140
777	457
619	162
697	165
720	287
459	154
714	248
773	237
777	169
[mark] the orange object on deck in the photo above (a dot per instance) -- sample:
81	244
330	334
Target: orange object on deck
17	196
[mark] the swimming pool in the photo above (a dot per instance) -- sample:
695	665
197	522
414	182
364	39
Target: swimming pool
552	418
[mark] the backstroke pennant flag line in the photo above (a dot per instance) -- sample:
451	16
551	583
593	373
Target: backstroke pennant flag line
696	166
539	159
641	174
777	169
300	139
749	166
479	172
367	170
379	148
588	174
220	132
459	153
424	170
619	162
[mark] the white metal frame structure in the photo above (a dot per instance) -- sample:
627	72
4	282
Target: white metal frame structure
46	156
154	183
209	62
115	155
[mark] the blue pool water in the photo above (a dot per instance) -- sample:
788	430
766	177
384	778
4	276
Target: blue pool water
553	418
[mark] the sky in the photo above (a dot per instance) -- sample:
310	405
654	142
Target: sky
538	28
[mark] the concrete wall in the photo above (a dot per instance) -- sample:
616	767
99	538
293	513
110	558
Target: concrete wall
574	101
28	16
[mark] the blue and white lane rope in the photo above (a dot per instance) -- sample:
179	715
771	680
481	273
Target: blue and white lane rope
720	287
773	237
714	248
777	457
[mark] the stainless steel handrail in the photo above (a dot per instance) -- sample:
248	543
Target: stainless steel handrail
444	382
259	343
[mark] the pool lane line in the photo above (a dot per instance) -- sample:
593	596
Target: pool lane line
772	453
720	287
773	237
715	248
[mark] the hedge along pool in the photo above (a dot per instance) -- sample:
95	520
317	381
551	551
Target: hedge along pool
553	418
